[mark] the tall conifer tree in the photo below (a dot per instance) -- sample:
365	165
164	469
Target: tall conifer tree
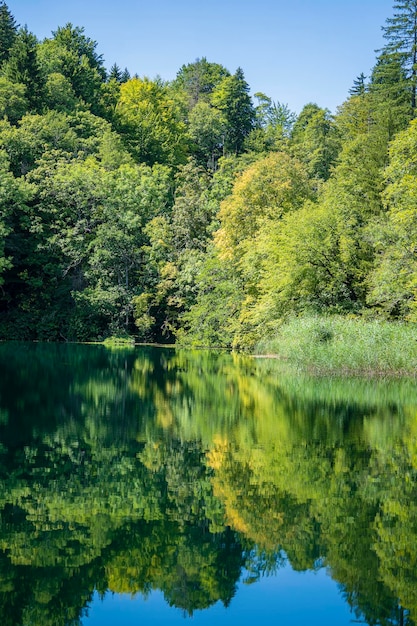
401	48
8	31
23	67
359	86
231	96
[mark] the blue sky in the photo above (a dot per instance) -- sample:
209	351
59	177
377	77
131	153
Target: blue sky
294	51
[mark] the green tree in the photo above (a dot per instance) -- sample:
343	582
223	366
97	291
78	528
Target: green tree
231	97
359	85
125	76
393	283
274	122
211	320
389	88
115	73
92	220
265	191
23	67
14	196
261	195
401	35
323	254
57	134
207	130
71	53
13	102
74	40
314	141
199	79
191	212
59	94
8	32
109	97
151	121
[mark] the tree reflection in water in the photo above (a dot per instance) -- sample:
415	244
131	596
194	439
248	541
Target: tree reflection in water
143	469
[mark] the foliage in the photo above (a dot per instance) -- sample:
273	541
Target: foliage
207	470
335	344
199	79
151	120
315	141
13	102
73	55
180	209
8	31
393	280
22	67
231	97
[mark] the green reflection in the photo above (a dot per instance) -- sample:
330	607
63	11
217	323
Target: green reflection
142	469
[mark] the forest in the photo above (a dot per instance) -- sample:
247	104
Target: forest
190	211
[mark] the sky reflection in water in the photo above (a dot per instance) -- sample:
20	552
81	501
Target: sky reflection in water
296	598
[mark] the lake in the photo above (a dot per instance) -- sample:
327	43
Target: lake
155	486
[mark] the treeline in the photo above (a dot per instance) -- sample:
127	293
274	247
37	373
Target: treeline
189	210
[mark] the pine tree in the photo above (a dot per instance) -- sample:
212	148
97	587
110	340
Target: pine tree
8	31
232	97
22	67
74	40
401	48
359	86
125	76
115	73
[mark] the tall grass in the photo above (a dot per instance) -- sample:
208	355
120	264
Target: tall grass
342	345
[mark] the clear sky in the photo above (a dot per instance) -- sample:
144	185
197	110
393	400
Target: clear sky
294	51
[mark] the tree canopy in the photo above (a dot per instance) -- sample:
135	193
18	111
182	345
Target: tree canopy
190	210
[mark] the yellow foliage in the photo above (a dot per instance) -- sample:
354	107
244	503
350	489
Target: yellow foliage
265	191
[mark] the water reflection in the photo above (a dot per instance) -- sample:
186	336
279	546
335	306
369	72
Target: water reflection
159	469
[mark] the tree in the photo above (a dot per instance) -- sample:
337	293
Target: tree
401	50
8	31
314	140
191	213
55	136
211	320
152	122
199	79
13	197
207	129
266	191
71	53
231	97
261	195
115	73
23	67
13	102
59	94
389	89
125	76
73	39
359	86
393	283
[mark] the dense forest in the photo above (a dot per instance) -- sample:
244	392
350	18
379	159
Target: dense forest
189	210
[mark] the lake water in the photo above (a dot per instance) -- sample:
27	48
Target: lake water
156	486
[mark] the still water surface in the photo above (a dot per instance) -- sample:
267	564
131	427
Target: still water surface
153	486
